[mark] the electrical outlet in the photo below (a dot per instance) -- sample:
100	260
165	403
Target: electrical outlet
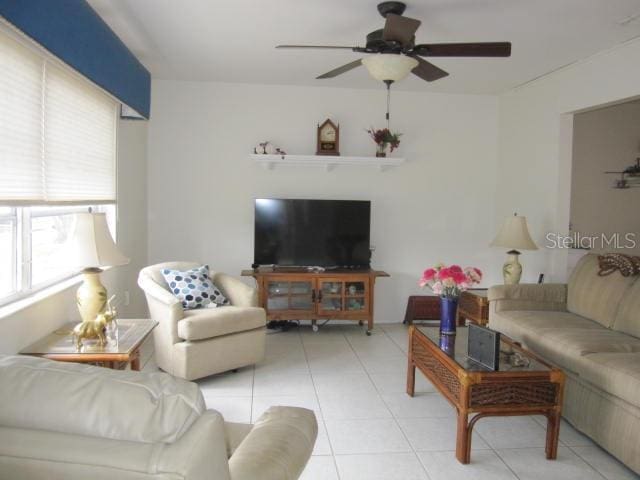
127	298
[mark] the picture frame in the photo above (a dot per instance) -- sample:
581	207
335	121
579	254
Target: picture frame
484	346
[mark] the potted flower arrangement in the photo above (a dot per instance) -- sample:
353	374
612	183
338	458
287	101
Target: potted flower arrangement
384	138
448	283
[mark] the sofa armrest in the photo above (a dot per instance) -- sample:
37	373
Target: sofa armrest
235	435
278	446
201	453
528	296
239	293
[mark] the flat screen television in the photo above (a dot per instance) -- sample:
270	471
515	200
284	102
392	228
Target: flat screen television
324	233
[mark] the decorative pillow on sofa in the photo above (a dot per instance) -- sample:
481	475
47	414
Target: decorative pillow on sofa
194	288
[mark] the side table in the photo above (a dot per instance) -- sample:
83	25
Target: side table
422	307
59	345
473	305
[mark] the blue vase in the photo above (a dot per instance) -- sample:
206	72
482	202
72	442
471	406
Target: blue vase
448	344
448	309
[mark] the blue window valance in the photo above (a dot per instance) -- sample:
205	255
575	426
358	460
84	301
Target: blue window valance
72	31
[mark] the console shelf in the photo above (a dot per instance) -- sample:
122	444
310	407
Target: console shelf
328	162
294	294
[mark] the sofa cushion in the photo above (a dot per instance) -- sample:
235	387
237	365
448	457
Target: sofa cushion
529	296
565	346
208	323
561	337
595	297
42	394
519	324
627	319
615	373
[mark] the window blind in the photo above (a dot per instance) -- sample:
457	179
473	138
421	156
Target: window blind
20	122
57	132
79	139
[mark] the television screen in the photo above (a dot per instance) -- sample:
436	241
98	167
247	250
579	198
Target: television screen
324	233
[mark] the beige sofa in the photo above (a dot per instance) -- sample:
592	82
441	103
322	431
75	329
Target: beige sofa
591	329
192	344
66	421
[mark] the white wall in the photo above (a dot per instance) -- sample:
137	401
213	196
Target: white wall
132	215
27	325
436	207
535	144
605	139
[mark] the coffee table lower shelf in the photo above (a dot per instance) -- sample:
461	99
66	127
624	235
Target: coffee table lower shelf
479	394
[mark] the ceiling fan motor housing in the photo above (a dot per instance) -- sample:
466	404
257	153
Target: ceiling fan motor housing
376	44
391	7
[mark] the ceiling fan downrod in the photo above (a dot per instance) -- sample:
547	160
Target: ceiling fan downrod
388	84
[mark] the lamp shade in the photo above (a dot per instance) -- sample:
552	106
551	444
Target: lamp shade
389	66
514	234
91	244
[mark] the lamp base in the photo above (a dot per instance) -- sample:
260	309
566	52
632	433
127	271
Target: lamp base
512	269
91	297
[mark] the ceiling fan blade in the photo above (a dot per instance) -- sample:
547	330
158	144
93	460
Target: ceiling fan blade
485	49
428	71
334	47
340	70
400	29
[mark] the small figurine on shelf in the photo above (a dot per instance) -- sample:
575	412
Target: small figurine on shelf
264	148
354	304
268	148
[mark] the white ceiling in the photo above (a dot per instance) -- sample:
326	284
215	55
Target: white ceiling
233	40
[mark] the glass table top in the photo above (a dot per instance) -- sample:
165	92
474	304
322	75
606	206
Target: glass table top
130	335
455	346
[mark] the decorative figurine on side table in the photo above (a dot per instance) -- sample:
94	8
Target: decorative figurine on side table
96	328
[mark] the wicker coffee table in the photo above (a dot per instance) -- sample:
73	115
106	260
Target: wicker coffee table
523	385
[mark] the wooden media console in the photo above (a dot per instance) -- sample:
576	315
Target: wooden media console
299	294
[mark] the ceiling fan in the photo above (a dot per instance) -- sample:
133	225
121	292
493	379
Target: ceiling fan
629	177
398	54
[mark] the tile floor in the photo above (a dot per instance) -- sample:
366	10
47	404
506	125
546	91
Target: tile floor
370	429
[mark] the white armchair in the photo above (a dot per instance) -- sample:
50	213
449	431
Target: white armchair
192	344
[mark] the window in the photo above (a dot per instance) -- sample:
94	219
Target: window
8	247
33	251
57	158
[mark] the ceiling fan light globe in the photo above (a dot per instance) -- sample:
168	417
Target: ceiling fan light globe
389	66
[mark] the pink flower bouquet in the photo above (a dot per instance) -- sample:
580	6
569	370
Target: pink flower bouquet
449	282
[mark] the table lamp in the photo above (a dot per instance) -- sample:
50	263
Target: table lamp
92	248
513	234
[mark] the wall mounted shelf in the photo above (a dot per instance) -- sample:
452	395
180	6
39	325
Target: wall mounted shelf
328	162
